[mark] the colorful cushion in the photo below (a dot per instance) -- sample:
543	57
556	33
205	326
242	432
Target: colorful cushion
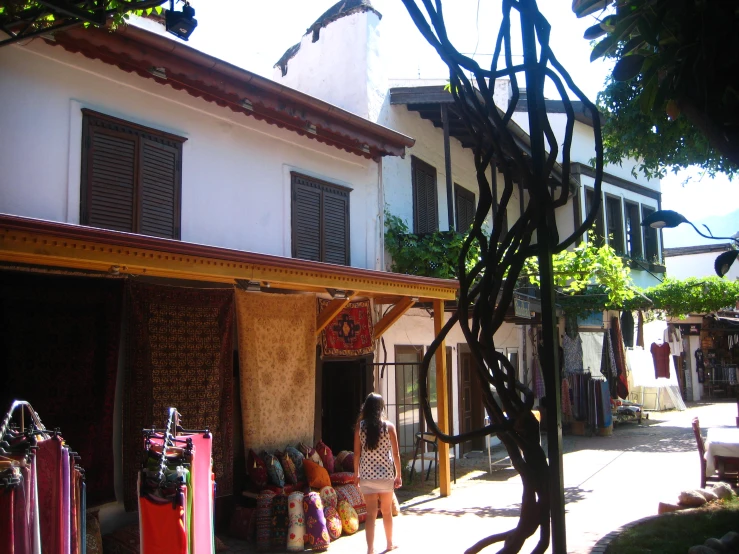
278	529
310	453
349	519
264	520
275	475
317	476
348	462
316	534
256	469
342	478
287	489
297	459
296	528
291	474
327	457
353	496
328	497
339	459
333	522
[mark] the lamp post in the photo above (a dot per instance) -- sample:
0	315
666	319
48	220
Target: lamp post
668	219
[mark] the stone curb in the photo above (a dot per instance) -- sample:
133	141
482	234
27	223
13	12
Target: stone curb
601	546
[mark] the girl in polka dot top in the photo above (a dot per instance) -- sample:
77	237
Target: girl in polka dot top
376	466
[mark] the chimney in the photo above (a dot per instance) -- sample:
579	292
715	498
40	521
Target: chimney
339	60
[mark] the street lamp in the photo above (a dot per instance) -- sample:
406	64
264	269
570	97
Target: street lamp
669	219
181	24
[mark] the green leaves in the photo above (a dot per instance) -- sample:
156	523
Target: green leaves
628	67
586	7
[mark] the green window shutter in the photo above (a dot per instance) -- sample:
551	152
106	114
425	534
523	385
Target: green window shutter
425	205
465	201
306	219
131	177
159	190
109	179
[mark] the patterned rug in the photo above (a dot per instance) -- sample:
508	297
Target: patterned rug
350	332
180	353
277	357
59	351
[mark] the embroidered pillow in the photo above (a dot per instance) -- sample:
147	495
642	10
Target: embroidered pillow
327	457
278	528
316	534
353	496
349	519
310	453
317	476
297	459
296	530
348	462
342	478
264	521
333	522
339	460
256	469
288	467
275	475
328	497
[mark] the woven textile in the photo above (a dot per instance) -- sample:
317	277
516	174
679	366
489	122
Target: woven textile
264	520
59	351
279	527
277	349
180	353
350	332
296	528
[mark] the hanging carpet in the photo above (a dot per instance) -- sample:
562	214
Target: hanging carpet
59	351
277	361
350	332
180	353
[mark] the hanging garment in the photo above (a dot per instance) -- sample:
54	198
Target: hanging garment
537	377
571	328
566	401
163	522
201	469
7	525
49	472
661	357
700	367
627	328
608	364
572	354
605	417
674	338
622	385
640	329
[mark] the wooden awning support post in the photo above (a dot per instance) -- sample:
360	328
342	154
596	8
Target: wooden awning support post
330	312
392	316
442	402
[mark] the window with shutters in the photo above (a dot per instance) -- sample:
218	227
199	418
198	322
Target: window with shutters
131	177
320	220
465	202
425	204
615	224
599	228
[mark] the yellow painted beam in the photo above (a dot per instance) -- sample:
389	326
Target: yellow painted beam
442	402
47	249
395	313
330	312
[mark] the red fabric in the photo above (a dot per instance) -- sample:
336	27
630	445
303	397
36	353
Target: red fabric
661	358
7	507
49	473
163	528
350	332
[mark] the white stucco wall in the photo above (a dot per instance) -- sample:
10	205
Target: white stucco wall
343	67
697	265
235	169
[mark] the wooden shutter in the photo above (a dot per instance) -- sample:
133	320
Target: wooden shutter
335	226
131	177
465	201
320	220
425	205
159	190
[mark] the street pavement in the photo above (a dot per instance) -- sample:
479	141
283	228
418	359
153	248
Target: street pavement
608	482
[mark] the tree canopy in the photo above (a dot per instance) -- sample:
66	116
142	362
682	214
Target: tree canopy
673	97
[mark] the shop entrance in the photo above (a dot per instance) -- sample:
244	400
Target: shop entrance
345	385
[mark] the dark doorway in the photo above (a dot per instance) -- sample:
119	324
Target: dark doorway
471	414
345	386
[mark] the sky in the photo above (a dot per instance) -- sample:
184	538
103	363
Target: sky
254	35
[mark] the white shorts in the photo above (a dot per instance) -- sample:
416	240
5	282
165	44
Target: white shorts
376	486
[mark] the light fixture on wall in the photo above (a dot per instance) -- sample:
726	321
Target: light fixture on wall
311	128
180	24
247	105
338	294
254	286
160	72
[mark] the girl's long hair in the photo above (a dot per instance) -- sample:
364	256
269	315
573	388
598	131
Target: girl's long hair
371	414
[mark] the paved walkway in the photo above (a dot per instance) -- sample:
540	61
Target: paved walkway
609	481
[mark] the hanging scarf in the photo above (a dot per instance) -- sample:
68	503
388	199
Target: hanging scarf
640	329
622	385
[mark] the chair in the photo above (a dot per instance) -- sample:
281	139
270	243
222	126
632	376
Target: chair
728	468
429	440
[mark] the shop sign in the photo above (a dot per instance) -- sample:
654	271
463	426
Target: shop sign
521	308
690	329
